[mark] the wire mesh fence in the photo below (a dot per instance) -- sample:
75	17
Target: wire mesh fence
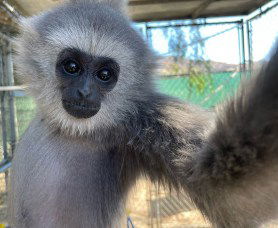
191	69
262	29
206	91
194	71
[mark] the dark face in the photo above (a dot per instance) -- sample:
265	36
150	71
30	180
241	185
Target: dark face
85	80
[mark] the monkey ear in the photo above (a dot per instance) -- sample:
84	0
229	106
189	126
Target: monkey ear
120	5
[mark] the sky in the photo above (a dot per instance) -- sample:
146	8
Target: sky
224	47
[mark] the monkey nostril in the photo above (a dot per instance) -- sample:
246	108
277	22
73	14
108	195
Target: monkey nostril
83	93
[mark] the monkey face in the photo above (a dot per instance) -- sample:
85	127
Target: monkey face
84	64
85	80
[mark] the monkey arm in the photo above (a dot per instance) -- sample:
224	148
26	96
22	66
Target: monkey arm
237	167
228	162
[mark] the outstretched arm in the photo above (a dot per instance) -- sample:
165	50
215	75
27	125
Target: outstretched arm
239	161
228	161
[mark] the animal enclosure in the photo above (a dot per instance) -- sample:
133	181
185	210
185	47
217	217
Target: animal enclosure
187	71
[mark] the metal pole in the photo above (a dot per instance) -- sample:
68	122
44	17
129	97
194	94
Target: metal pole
263	12
3	110
191	24
243	46
11	88
12	108
239	49
5	166
249	39
149	35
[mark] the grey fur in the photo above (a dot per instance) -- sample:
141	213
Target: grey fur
71	172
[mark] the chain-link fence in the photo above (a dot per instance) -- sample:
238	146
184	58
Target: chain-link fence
261	34
195	66
203	68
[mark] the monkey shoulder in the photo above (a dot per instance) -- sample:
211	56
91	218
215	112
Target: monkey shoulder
167	133
167	123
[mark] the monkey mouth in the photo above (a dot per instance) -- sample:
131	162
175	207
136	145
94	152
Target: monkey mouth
80	110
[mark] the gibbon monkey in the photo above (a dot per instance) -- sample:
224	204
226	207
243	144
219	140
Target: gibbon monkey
101	124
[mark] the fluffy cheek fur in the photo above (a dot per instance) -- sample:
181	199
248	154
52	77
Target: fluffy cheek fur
50	106
36	69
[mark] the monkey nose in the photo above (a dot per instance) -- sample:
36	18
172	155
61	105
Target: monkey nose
83	92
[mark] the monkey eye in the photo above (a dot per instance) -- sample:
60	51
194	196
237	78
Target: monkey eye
104	74
71	67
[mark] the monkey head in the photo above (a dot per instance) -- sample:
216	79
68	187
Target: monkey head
84	64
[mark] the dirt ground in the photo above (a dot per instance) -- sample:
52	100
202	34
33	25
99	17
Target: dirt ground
138	208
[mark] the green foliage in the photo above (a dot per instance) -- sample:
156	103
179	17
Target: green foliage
199	83
189	46
177	43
